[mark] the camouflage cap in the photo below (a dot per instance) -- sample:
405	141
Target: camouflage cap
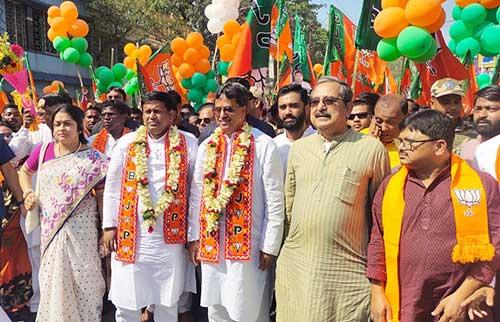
256	92
446	86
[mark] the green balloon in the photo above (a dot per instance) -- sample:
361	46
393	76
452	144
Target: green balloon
210	86
195	95
483	80
473	14
61	43
468	45
428	55
101	86
85	60
459	30
491	15
497	14
114	84
186	83
457	11
80	44
71	55
61	56
106	76
130	74
485	53
99	69
478	30
413	41
490	39
222	68
198	80
210	74
387	49
119	71
452	45
134	82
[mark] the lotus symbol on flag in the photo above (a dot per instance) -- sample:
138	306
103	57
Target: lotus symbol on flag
175	231
209	248
126	249
468	198
238	246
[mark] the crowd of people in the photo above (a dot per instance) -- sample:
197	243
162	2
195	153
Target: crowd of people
320	207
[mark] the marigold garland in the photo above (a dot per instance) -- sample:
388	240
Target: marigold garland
215	203
150	212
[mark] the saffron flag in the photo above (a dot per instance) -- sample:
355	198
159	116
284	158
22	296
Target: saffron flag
370	72
443	65
252	53
301	59
470	85
405	80
391	86
366	37
281	34
285	73
157	74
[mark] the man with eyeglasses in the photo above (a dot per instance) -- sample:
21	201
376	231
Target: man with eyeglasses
360	117
436	229
205	115
331	178
389	111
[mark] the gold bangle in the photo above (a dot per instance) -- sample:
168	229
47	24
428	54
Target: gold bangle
27	192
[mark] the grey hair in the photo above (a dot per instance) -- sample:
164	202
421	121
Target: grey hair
345	90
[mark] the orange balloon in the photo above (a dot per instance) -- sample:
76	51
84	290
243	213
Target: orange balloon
318	68
54	12
222	41
57	84
145	52
465	3
175	69
47	89
422	13
191	56
79	28
394	3
49	20
51	34
202	66
179	45
231	28
135	54
194	40
69	11
129	49
438	24
186	70
204	52
179	77
129	62
390	22
227	52
236	39
176	59
490	4
60	25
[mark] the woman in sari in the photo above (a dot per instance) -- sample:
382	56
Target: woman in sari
71	282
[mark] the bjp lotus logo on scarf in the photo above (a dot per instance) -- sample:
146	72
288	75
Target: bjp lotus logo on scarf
468	198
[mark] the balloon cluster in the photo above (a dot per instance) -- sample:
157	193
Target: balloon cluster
116	76
476	28
406	27
142	54
192	68
227	45
219	12
67	34
54	87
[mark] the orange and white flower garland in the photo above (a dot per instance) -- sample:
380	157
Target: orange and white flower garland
215	203
151	213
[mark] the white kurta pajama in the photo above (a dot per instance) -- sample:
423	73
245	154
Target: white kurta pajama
240	287
161	272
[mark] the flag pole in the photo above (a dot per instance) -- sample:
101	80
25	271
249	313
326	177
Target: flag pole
215	51
403	72
79	76
355	71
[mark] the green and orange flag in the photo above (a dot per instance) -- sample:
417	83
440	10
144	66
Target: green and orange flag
281	34
301	58
366	38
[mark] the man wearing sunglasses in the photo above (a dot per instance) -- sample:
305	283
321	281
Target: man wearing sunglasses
205	115
360	117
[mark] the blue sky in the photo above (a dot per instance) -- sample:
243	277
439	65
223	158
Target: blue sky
352	8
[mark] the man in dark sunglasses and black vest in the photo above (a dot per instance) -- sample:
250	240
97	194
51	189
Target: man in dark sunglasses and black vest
361	115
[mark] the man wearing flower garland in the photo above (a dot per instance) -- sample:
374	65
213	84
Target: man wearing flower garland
236	213
146	203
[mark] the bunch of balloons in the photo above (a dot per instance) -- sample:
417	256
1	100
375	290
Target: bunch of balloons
219	12
227	45
406	27
476	29
192	67
54	87
115	77
142	54
67	34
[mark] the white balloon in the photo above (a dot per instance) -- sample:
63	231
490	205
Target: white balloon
215	26
231	13
210	11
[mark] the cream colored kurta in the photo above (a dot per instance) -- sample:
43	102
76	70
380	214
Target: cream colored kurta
322	265
239	286
161	272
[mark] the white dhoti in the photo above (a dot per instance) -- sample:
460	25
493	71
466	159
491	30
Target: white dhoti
162	314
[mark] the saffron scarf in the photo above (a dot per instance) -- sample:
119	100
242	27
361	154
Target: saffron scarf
102	138
174	218
497	165
471	219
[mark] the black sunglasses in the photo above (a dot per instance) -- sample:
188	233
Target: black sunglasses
360	116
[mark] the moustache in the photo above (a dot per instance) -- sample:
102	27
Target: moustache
322	114
289	117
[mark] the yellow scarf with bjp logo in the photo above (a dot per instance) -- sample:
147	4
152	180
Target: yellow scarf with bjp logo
471	220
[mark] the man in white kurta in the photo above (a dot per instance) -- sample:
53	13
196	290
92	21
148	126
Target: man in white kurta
485	156
159	273
239	290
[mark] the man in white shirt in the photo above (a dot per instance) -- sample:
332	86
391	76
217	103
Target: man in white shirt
293	113
236	213
145	214
114	114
